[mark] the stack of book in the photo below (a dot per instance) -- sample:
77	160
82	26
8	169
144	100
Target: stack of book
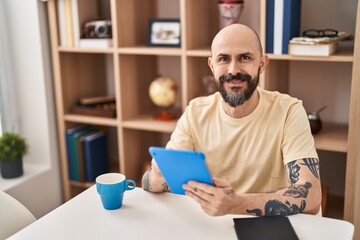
321	46
101	106
87	153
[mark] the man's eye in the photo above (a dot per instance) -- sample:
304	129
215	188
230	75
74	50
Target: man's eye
245	58
223	59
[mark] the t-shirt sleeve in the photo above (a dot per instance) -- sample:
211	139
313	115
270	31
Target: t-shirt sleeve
181	138
298	141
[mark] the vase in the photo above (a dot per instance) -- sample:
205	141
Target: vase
11	169
230	11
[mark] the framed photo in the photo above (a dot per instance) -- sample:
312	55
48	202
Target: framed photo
164	32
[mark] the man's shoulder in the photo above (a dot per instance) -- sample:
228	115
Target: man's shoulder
273	97
205	101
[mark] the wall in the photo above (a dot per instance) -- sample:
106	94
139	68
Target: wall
29	49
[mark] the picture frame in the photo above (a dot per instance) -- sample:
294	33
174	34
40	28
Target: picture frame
165	32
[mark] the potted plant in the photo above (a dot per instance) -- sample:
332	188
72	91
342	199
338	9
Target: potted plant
12	149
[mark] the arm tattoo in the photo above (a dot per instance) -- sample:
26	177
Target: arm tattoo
293	172
298	191
146	180
278	208
228	191
313	165
165	187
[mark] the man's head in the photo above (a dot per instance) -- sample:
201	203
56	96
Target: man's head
236	62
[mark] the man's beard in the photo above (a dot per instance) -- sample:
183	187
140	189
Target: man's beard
236	98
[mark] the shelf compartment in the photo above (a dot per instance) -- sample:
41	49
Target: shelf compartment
197	69
85	75
136	74
112	150
136	149
133	17
333	137
148	123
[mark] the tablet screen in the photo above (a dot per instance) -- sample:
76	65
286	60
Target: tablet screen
180	166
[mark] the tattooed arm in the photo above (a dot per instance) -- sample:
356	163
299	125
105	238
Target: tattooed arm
153	181
303	195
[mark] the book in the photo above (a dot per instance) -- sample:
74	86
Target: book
68	136
81	155
96	155
270	4
74	160
104	110
291	22
95	43
61	20
325	49
278	26
68	24
284	26
269	228
86	101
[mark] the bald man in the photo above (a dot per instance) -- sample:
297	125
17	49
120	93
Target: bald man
258	143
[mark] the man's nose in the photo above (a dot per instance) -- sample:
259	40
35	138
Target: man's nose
234	68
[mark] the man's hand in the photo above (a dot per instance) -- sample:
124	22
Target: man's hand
153	180
214	200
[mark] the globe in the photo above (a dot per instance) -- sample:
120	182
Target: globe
163	92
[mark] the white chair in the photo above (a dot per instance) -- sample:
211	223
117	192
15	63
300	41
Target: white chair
13	215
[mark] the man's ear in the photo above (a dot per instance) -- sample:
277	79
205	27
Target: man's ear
210	65
264	62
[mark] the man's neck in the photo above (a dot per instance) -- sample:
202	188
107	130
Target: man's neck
244	109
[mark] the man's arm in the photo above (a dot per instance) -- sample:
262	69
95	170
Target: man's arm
153	181
303	195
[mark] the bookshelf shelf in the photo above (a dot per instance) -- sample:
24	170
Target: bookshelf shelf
144	50
85	50
333	137
91	120
147	123
334	58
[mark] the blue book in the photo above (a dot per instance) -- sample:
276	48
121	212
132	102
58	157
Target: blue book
95	155
291	22
270	10
68	135
80	155
74	161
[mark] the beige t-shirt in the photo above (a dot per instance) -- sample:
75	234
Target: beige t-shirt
249	152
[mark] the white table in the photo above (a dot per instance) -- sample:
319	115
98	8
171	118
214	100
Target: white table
146	215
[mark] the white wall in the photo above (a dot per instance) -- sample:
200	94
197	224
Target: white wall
29	50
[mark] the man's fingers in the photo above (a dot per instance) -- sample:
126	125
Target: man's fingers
222	183
201	186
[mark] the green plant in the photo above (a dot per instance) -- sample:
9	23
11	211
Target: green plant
12	147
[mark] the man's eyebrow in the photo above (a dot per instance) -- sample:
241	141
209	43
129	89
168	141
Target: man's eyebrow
246	53
240	54
222	55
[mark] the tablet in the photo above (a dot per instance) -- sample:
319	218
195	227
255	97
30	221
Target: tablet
180	166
